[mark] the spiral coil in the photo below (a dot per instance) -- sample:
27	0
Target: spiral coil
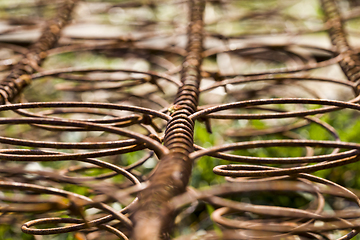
91	150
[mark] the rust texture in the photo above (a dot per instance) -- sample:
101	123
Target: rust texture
174	170
180	120
350	61
20	74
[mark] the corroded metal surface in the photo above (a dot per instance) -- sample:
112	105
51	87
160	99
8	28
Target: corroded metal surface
19	76
112	135
153	219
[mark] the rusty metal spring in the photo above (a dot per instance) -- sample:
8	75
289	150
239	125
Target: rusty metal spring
93	150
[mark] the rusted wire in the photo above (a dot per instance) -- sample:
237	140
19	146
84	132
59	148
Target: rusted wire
113	148
152	220
20	74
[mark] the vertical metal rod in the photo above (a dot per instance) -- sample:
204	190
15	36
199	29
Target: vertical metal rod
350	62
154	220
19	76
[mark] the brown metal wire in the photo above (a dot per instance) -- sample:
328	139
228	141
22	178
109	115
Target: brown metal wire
108	152
171	177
